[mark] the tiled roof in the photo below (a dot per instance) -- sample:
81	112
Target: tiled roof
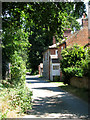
54	45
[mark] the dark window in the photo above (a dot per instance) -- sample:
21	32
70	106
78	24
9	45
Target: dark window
55	67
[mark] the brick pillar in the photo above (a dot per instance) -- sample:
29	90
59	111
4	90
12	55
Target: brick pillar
54	40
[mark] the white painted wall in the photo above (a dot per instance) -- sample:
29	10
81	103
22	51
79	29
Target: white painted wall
54	72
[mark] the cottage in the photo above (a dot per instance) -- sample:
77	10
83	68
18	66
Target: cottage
54	68
51	65
52	56
80	37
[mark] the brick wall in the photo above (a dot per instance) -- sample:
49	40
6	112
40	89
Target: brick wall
85	22
79	37
53	51
79	82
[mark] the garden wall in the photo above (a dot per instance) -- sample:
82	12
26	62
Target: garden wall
79	82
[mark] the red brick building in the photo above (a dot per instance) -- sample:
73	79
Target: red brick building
80	37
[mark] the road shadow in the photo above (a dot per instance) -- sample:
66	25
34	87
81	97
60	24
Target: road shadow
54	89
62	103
56	105
35	80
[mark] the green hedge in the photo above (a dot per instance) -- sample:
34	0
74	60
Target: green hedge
75	62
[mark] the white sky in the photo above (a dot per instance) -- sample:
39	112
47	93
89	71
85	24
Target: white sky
86	3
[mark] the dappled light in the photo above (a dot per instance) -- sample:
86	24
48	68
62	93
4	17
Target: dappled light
37	65
51	101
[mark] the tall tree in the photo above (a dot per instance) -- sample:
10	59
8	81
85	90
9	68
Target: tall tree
42	20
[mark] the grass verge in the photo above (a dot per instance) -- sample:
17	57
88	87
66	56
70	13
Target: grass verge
14	101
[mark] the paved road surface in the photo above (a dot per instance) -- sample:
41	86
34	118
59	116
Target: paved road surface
49	101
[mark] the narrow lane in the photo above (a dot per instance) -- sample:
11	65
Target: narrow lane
49	101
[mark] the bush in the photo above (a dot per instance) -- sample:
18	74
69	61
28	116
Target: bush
3	116
86	63
1	86
18	70
74	71
75	62
56	78
15	98
22	98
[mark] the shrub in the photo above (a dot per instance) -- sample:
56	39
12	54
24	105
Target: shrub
56	78
18	69
1	86
22	98
3	116
15	98
74	71
74	62
86	63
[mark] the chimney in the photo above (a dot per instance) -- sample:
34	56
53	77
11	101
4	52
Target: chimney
67	32
84	20
54	41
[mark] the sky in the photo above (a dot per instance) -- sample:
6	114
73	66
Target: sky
86	3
